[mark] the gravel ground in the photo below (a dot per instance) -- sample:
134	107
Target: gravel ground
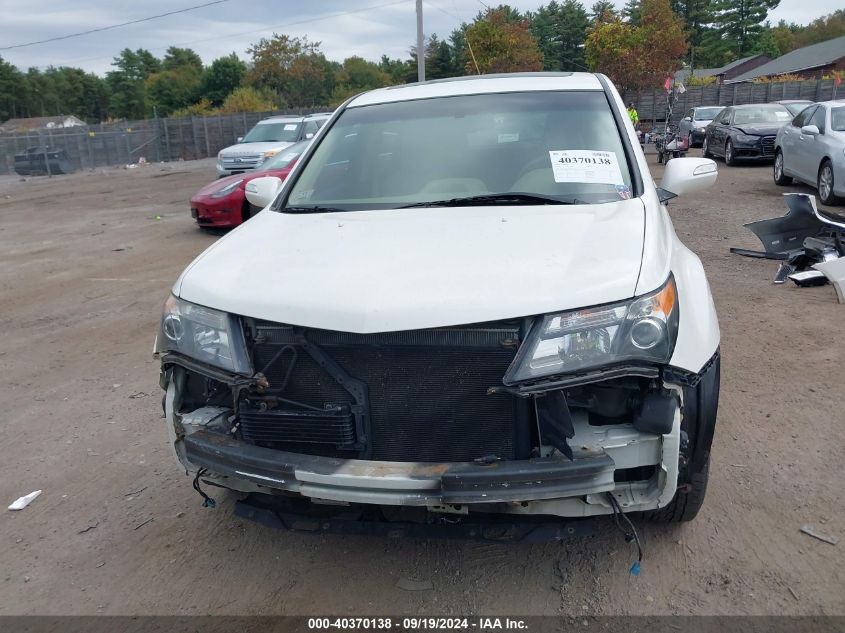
88	260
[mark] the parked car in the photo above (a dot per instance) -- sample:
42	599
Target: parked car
221	204
269	137
466	300
694	122
812	149
795	105
38	161
745	132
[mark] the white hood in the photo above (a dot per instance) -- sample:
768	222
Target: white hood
245	149
378	271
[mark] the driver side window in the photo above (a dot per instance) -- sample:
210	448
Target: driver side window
725	117
803	117
818	119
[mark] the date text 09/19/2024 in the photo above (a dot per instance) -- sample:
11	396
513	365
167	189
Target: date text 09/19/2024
417	623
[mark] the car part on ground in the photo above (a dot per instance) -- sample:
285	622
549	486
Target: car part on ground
834	270
802	239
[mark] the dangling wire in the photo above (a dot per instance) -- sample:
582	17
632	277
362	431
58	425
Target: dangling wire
630	533
207	502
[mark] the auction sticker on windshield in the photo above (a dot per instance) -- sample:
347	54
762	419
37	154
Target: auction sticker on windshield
591	166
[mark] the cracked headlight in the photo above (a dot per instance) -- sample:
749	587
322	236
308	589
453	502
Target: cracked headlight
642	329
206	335
225	191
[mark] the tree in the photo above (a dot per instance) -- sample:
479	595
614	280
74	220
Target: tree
170	90
439	60
12	83
602	11
357	75
246	99
560	30
293	68
221	78
502	45
740	22
638	56
632	11
128	93
178	58
697	15
396	69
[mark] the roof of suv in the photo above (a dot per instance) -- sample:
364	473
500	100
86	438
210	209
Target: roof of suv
485	84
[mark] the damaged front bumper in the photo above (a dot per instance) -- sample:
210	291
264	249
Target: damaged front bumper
606	459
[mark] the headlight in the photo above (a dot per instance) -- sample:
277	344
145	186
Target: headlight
225	191
700	129
206	335
747	138
643	329
269	153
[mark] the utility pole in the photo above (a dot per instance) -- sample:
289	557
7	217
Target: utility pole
420	44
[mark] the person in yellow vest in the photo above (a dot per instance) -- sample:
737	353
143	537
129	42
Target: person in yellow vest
632	113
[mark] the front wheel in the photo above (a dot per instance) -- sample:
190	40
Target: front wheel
825	184
730	159
781	179
705	151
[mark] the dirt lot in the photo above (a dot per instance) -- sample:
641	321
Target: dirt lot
87	261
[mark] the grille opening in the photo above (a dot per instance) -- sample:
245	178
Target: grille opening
427	394
640	473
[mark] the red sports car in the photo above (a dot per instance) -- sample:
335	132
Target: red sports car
222	203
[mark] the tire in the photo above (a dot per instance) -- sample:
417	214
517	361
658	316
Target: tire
701	404
824	183
730	159
781	179
684	505
705	151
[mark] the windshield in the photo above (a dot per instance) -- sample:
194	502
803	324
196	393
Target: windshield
287	131
707	114
550	147
761	114
286	157
796	108
837	119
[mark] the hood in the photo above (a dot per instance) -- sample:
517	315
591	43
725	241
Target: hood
763	129
380	271
216	185
245	149
243	178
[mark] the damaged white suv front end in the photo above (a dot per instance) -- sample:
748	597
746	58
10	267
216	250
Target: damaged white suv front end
507	327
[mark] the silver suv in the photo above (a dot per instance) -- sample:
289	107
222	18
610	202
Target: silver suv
266	139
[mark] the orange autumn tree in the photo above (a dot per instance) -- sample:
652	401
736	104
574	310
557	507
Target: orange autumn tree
500	44
640	56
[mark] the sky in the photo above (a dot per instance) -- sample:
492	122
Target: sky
367	28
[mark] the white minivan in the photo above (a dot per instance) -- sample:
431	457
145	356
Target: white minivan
465	307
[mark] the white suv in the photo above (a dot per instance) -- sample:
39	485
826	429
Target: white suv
466	301
266	139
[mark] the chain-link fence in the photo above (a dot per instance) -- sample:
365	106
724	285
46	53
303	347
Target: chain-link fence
652	105
125	142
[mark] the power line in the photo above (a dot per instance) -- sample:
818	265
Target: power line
325	16
113	26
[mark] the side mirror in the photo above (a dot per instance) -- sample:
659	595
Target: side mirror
687	118
262	191
688	175
812	130
240	138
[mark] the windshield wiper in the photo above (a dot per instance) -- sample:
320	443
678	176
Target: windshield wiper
495	198
313	210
